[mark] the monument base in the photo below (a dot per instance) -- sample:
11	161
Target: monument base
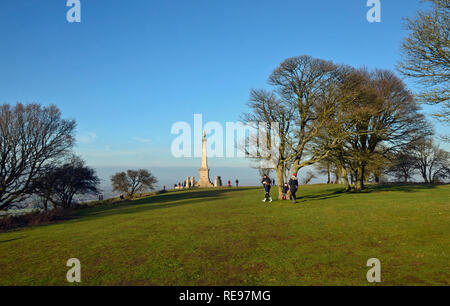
204	181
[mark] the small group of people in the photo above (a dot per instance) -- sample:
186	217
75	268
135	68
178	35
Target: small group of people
237	183
180	185
291	186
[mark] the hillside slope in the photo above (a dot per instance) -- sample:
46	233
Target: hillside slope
229	237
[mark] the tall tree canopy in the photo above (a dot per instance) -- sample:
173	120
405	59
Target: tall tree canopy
31	136
351	117
385	117
426	55
302	102
133	181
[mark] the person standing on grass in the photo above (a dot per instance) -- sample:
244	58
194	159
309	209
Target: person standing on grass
267	182
229	183
237	183
293	187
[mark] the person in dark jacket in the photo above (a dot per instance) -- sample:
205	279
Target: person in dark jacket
237	183
285	191
267	182
293	187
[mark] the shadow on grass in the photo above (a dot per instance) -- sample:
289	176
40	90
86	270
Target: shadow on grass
400	187
166	200
321	196
333	193
13	239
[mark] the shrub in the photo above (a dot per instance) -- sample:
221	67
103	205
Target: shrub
33	218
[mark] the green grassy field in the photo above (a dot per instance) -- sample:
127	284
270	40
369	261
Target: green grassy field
229	237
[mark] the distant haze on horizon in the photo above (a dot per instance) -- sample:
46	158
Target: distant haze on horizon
168	176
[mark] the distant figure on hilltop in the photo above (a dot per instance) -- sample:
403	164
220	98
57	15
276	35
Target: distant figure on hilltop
266	181
237	183
229	183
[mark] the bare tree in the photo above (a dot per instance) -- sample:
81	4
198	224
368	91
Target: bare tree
263	171
426	55
325	167
308	178
308	85
133	181
59	184
267	108
432	162
31	136
402	166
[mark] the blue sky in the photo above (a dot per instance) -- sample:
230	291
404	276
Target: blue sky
131	69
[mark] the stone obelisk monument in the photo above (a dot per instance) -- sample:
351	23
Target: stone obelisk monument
204	171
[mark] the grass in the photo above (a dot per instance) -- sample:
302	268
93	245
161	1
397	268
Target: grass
229	237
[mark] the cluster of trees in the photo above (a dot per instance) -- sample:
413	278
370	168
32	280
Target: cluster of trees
359	123
336	112
422	158
36	158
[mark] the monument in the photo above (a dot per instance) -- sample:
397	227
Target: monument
218	182
204	181
188	182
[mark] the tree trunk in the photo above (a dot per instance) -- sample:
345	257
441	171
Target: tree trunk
340	174
424	175
296	168
280	180
359	186
345	176
430	176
